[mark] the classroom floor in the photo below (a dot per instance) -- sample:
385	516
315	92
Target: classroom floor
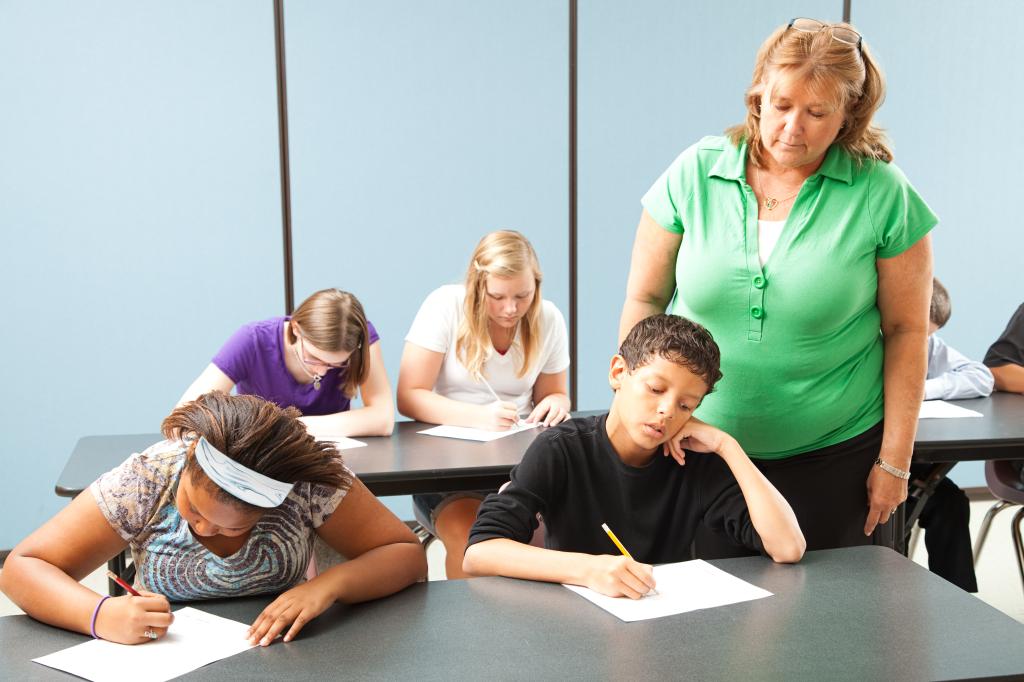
999	580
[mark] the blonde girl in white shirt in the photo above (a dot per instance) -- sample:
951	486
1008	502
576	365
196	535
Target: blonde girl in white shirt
495	331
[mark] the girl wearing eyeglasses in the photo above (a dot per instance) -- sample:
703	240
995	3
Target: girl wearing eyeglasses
483	354
805	251
317	360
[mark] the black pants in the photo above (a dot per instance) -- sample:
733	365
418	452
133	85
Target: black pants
827	489
945	521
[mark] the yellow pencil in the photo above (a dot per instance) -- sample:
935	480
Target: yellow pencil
618	544
622	548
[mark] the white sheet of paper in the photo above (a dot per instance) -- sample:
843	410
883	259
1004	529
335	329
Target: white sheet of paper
195	639
940	409
681	587
342	442
466	433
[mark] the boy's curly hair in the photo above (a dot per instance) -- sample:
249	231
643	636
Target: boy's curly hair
676	339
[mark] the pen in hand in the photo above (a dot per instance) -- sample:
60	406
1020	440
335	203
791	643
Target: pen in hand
622	549
519	422
121	581
156	615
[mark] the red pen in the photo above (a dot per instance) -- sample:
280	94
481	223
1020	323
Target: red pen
120	581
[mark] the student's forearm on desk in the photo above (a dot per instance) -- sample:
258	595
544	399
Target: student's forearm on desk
770	513
502	556
377	573
372	420
426	406
47	593
1009	378
969	382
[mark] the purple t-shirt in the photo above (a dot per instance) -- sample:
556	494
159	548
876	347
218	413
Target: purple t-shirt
253	358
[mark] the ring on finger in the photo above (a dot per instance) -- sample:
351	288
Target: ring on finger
149	634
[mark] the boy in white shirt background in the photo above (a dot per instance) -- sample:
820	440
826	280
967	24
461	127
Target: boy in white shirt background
946	514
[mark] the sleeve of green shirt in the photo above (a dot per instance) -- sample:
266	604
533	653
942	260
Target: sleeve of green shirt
669	193
899	214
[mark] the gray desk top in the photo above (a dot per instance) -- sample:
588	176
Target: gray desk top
863	613
407	462
404	463
997	435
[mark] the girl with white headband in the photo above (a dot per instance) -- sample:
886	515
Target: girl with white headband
228	505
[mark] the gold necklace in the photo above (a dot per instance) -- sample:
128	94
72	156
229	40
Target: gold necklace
770	202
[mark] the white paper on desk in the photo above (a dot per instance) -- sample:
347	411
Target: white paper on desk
466	433
342	442
681	587
940	409
195	639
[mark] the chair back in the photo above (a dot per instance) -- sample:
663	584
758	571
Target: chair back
1004	480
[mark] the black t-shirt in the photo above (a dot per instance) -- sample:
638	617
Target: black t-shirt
1009	348
572	476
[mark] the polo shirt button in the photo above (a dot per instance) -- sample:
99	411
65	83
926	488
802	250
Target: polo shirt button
757	313
759	282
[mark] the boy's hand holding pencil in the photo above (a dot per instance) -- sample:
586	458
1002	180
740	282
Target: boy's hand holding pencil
620	576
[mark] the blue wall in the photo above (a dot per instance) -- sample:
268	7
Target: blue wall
654	77
416	128
139	188
140	211
953	112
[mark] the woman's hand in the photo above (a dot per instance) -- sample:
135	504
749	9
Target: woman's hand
127	619
697	436
554	409
498	416
885	493
296	607
619	576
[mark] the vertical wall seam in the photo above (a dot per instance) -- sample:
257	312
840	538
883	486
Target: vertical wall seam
282	137
573	318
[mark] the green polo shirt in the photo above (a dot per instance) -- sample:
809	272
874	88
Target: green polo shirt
800	338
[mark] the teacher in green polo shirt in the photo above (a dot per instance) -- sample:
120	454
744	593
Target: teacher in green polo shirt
805	251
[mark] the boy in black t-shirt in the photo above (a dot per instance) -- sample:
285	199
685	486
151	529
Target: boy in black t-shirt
626	469
1005	358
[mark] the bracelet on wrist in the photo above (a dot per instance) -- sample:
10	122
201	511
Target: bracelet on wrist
96	612
890	469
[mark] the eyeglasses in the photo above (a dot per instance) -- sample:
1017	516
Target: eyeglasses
310	360
843	34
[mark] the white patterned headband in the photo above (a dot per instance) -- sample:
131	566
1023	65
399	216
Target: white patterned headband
241	481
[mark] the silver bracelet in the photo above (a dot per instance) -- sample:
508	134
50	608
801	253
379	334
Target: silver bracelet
890	469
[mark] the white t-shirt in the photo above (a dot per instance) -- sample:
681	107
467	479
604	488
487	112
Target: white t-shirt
436	328
768	232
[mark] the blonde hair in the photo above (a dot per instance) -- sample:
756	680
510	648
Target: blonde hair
333	320
847	75
500	254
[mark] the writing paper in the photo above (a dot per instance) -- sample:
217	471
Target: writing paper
681	587
342	442
940	409
466	433
195	639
